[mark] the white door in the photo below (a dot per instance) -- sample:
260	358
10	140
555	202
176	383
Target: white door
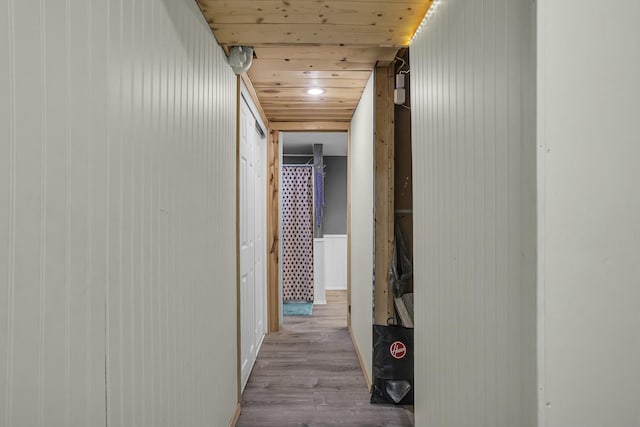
247	244
260	239
253	295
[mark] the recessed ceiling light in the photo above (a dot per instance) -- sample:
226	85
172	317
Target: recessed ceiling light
315	91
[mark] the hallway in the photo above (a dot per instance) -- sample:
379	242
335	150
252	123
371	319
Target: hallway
139	276
308	374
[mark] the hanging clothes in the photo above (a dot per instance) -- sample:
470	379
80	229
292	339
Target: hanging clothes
319	199
297	233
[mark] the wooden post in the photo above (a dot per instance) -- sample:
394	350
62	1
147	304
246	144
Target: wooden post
349	230
273	174
384	192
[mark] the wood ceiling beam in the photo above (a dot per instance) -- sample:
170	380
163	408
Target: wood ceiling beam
332	34
312	117
312	120
307	107
306	83
296	91
327	11
288	64
314	126
286	117
258	74
327	53
295	111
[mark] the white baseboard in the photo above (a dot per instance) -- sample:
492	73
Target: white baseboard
319	302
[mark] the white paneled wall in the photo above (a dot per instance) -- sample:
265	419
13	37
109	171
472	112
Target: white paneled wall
329	265
473	126
335	259
589	204
361	192
117	219
319	271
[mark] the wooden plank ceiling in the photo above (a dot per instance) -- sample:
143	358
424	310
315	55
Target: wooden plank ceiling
303	44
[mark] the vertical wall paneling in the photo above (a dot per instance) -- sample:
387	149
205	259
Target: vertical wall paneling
473	142
329	265
589	205
319	270
117	218
361	172
335	261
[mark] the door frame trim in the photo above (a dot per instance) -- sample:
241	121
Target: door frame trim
273	214
238	305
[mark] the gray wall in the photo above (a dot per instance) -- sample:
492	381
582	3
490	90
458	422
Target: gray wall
117	216
473	100
335	195
335	213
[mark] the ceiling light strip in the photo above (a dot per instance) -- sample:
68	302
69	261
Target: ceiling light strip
430	12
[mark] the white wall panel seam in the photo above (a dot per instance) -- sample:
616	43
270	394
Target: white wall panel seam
541	208
89	255
43	215
67	301
8	403
108	121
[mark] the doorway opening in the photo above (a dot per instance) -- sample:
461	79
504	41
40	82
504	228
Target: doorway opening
313	206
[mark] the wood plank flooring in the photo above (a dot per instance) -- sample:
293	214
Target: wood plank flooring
308	374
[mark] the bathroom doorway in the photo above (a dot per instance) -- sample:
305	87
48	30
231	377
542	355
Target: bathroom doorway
314	219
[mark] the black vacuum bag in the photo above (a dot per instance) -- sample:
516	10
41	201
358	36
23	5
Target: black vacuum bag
392	365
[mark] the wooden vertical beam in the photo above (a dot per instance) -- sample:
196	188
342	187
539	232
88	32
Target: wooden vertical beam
384	192
349	230
310	126
273	174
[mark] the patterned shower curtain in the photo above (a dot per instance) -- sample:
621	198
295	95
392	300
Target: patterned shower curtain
297	233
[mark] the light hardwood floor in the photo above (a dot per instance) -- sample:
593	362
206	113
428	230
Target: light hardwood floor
307	374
